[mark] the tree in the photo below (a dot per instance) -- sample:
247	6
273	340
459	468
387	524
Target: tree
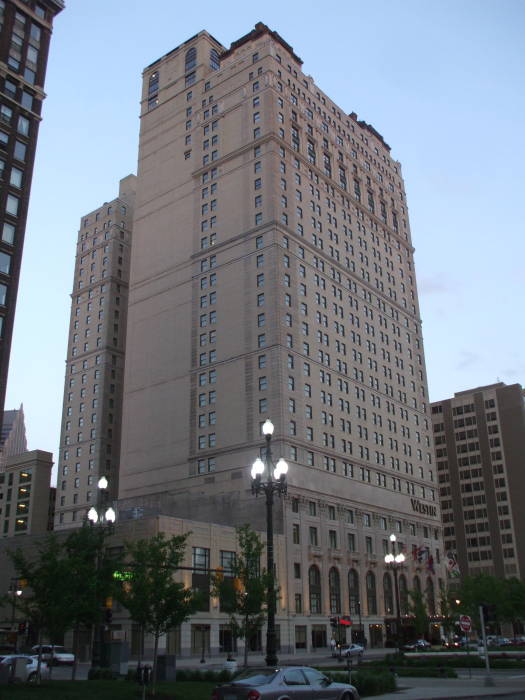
155	601
418	610
45	604
243	594
513	608
505	596
67	581
89	581
449	609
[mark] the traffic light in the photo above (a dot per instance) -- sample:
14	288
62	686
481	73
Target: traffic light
108	612
334	621
22	627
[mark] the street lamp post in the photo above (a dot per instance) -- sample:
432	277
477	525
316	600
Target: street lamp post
101	515
15	591
269	478
361	634
395	561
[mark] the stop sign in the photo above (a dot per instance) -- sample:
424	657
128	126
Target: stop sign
465	623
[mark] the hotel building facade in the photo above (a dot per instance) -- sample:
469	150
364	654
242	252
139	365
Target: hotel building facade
272	275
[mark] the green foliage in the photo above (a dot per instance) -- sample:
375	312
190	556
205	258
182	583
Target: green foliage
43	602
507	595
243	595
106	690
97	674
418	610
449	610
90	574
67	581
437	672
153	598
367	683
458	660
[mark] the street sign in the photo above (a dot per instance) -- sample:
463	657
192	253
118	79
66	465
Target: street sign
465	623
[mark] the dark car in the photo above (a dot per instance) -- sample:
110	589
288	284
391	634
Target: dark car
418	645
293	682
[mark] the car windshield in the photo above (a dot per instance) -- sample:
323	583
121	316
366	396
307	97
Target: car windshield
256	676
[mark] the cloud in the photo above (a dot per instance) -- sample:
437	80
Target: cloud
467	359
433	285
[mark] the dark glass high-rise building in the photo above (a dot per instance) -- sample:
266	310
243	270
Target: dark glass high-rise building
25	33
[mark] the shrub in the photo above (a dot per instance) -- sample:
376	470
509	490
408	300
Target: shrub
224	676
96	674
374	683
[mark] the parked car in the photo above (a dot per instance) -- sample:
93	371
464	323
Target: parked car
297	682
418	645
31	664
351	650
55	654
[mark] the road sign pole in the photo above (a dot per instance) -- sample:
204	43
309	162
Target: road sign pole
489	681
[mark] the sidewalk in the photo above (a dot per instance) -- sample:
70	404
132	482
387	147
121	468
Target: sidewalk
511	688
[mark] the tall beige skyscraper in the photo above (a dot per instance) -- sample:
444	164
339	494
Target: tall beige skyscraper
272	275
91	415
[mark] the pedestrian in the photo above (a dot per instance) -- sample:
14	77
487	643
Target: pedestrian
333	645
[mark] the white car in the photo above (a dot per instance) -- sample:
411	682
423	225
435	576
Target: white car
31	666
54	654
351	651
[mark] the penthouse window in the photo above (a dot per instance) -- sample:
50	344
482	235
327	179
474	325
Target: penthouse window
153	90
190	60
214	59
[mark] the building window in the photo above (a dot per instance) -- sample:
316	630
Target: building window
314	585
334	585
214	59
313	536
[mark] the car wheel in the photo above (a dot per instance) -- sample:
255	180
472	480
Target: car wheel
347	696
32	677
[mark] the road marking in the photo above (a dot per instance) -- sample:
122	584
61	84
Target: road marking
522	676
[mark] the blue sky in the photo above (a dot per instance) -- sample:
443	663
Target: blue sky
443	82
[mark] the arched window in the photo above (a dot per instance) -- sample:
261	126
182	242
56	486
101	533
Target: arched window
431	603
417	584
371	597
388	594
353	592
334	586
314	582
191	59
214	59
403	595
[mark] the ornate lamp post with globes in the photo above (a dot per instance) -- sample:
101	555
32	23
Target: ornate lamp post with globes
102	516
269	478
98	514
395	561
